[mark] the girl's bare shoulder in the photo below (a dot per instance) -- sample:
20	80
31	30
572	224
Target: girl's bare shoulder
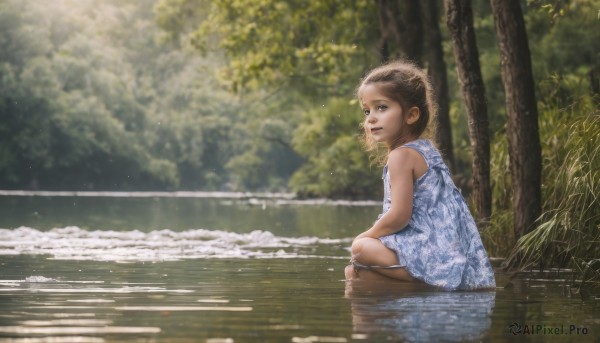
407	157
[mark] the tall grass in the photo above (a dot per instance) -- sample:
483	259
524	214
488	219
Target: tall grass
498	237
568	231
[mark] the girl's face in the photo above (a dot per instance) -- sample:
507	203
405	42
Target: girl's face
384	117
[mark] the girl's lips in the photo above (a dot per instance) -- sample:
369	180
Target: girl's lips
375	129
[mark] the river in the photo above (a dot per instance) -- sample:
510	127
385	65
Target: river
221	267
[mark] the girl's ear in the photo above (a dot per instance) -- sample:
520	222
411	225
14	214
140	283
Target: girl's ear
413	115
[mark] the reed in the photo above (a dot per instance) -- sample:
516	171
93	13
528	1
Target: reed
568	231
498	236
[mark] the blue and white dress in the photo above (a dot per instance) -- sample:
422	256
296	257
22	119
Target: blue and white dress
440	245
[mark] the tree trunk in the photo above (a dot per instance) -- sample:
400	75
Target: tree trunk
401	30
387	12
523	134
402	35
411	31
439	80
459	18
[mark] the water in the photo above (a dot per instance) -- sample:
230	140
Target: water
216	269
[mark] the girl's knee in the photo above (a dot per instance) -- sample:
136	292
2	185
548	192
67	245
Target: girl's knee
356	247
364	246
359	245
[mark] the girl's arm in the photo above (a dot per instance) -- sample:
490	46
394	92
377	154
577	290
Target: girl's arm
401	167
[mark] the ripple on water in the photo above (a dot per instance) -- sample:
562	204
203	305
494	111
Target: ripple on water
80	330
74	243
55	339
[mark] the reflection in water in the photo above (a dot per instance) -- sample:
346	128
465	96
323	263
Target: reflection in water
83	269
415	315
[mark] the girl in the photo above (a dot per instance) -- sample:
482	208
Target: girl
426	232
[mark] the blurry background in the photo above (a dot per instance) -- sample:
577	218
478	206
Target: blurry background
249	95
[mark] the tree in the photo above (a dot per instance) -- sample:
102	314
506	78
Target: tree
335	164
403	35
523	132
88	100
401	30
312	60
439	80
311	54
291	78
459	18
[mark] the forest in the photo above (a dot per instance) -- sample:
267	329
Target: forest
258	95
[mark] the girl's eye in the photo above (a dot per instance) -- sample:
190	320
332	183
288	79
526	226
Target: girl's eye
382	107
366	112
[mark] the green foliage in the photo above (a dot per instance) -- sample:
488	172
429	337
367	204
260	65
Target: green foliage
84	92
565	110
175	16
498	237
336	164
315	46
66	104
24	137
268	159
320	54
564	38
95	95
568	232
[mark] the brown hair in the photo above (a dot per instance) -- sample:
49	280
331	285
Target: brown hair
409	85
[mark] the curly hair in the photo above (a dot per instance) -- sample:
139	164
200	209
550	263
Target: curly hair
407	84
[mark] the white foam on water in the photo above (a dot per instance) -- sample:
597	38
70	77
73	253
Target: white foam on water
185	308
74	243
39	279
54	339
252	198
106	290
98	301
78	330
216	301
219	340
182	194
313	339
67	322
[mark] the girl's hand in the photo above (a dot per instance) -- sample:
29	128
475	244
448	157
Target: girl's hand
362	235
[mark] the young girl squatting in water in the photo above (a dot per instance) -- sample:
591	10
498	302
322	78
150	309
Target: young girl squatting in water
426	232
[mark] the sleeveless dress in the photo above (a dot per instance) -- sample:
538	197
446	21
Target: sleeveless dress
440	245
